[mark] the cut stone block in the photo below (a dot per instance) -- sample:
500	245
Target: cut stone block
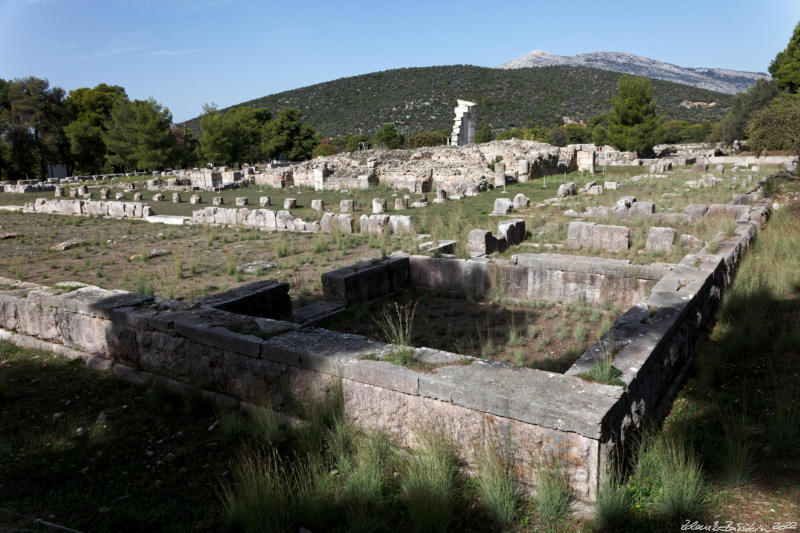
346	206
567	189
400	204
263	201
481	242
378	205
660	239
513	231
642	209
241	201
195	199
289	203
520	200
502	206
176	198
217	200
317	205
596	236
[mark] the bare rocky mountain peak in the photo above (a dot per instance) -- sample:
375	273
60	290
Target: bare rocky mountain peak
715	79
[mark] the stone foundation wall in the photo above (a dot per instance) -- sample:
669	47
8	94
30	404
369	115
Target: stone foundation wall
550	277
88	207
237	359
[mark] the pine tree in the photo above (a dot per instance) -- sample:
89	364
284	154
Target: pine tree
632	123
786	66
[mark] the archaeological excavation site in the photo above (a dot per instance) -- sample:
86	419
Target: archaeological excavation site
544	300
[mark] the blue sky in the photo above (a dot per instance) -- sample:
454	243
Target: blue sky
186	53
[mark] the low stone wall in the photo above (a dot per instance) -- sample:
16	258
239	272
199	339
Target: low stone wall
654	341
237	359
265	219
88	207
366	281
550	277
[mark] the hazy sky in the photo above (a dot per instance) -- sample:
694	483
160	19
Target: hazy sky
186	53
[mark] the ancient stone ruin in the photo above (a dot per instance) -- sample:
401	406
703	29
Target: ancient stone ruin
464	124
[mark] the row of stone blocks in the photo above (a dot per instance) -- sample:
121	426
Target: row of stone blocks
481	242
88	207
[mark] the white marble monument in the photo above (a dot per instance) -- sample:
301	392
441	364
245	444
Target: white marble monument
464	125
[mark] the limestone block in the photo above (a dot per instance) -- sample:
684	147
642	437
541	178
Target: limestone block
696	211
719	169
717	210
441	196
741	199
660	239
567	189
652	169
263	201
158	197
378	205
513	230
217	200
610	185
345	223
73	193
481	242
499	174
596	236
626	202
639	209
317	205
755	168
523	170
347	206
119	196
83	190
284	220
289	203
241	201
597	212
59	191
104	193
700	167
400	224
520	200
595	190
195	199
502	206
373	224
137	196
176	198
400	204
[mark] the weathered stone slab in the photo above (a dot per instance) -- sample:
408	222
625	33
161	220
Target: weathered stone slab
366	281
596	236
567	189
481	242
660	239
513	231
320	350
502	206
266	299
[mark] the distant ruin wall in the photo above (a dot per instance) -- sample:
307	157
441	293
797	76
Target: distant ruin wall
88	207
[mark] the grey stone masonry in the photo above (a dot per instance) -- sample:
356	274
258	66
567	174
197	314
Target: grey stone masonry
400	204
513	230
346	206
660	239
263	201
366	281
317	205
499	174
481	242
176	197
378	206
289	203
502	206
598	237
241	201
217	200
195	199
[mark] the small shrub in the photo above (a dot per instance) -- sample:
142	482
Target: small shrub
397	323
737	446
264	424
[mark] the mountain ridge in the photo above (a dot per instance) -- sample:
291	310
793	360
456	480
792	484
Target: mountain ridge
715	79
425	97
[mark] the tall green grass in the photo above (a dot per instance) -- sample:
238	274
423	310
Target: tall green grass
553	492
429	483
497	486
